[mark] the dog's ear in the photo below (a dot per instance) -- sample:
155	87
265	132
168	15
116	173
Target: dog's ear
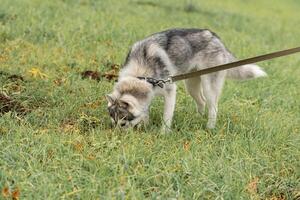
110	99
125	103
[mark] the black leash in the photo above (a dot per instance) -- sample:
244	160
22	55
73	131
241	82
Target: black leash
171	79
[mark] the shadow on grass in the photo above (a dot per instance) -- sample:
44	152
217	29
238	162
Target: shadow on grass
220	18
189	7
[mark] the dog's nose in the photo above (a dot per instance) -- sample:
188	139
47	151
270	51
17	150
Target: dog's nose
123	124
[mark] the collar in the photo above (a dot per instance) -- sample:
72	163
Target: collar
154	82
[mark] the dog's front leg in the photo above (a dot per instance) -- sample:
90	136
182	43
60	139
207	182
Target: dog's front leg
169	106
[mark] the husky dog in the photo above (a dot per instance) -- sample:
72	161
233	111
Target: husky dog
173	52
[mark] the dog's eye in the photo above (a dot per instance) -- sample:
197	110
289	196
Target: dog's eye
130	117
111	111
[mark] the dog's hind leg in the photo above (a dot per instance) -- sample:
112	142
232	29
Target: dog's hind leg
212	86
194	88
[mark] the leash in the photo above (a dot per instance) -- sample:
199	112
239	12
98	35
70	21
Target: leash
171	79
234	64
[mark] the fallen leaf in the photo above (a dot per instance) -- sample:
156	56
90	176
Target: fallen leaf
59	81
36	73
5	192
252	186
111	65
186	145
281	197
110	75
95	75
115	66
15	194
78	146
91	75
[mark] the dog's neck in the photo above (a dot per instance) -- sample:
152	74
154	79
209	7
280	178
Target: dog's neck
135	69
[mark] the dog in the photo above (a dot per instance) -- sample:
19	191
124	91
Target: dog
167	53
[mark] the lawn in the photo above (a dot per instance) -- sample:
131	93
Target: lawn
56	141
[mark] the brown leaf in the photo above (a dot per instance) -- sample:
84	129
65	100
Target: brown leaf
59	81
111	65
78	146
15	194
91	75
280	197
5	192
252	186
186	145
115	66
110	75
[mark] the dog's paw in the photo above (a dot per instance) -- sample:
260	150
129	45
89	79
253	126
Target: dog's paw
165	129
211	124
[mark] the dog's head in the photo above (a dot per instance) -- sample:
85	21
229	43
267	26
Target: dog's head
128	103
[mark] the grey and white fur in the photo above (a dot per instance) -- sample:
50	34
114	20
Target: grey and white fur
173	52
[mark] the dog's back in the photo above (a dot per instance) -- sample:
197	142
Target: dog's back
173	51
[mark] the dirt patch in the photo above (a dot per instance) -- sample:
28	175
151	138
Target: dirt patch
8	104
94	75
12	77
110	75
15	77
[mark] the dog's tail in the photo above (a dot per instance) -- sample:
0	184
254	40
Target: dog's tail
245	72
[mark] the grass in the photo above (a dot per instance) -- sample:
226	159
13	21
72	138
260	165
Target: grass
64	146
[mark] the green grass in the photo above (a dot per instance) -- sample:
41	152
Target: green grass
65	148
